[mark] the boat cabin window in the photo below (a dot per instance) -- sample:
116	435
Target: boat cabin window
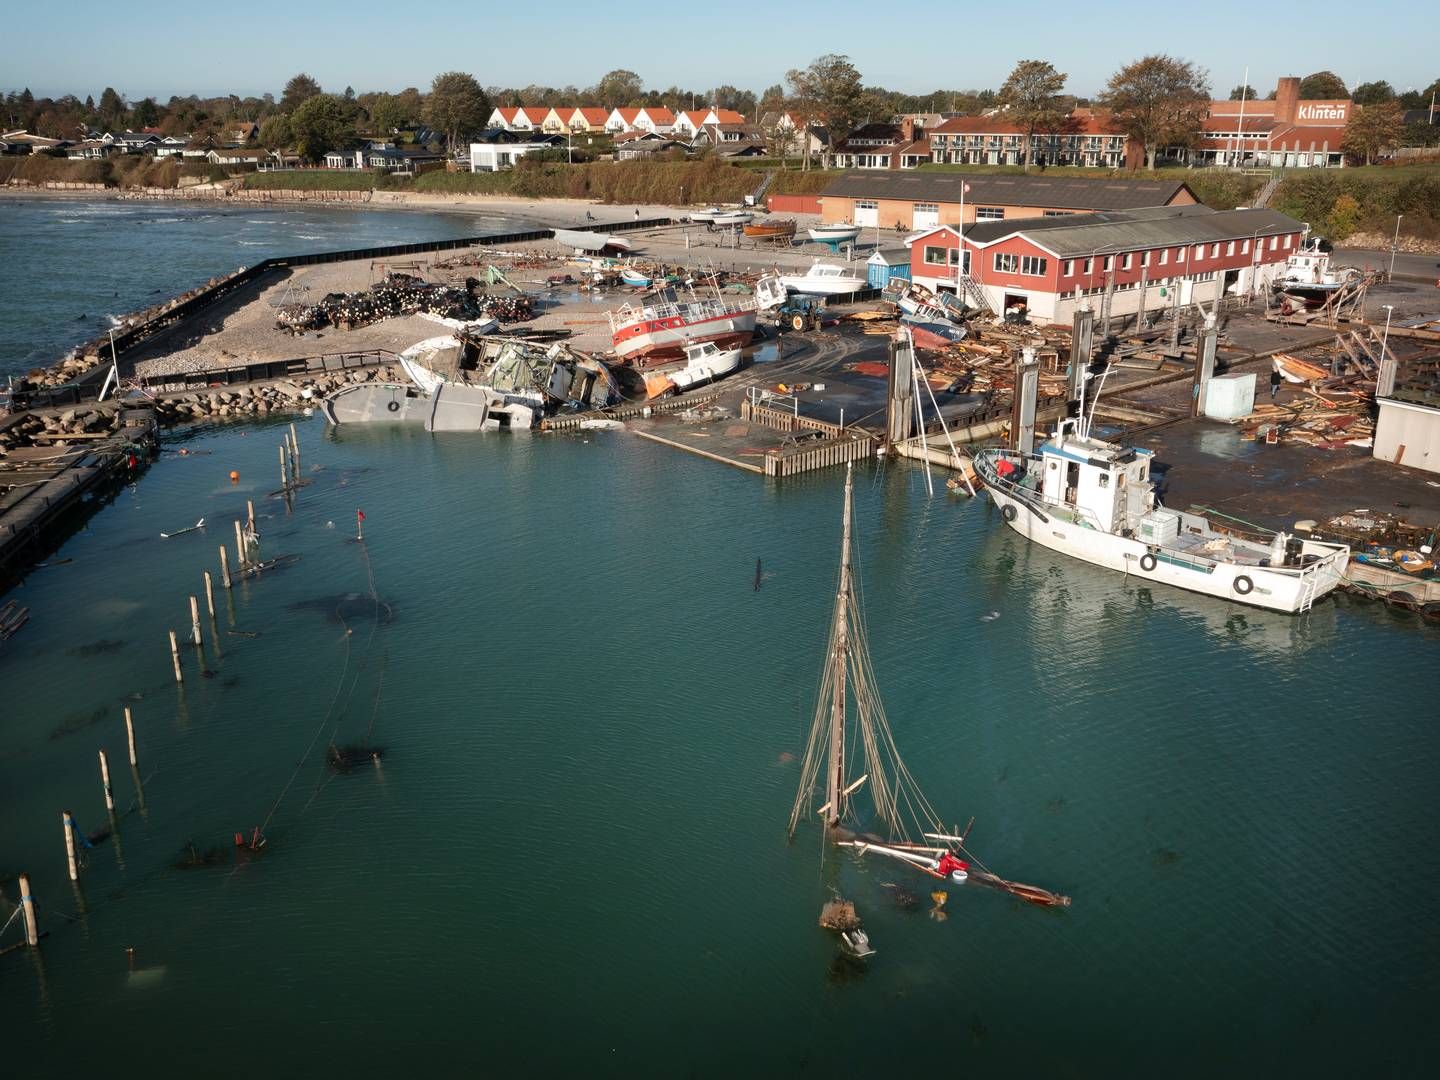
1104	480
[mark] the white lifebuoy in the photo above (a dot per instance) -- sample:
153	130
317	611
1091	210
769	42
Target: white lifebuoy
959	877
1008	512
1243	585
1147	561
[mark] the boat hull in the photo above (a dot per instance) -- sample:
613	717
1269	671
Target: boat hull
1262	587
658	341
830	236
933	334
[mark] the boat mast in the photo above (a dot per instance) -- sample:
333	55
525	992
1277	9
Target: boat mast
835	780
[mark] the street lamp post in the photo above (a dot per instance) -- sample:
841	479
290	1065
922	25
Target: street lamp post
1395	243
1385	338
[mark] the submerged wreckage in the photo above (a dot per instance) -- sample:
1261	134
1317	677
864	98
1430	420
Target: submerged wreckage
460	382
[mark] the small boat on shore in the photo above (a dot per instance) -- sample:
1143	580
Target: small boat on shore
635	278
838	233
1309	275
825	279
932	332
658	329
1095	501
771	230
705	362
732	218
1294	370
708	214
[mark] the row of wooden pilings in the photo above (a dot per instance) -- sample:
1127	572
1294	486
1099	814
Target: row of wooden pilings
792	460
247	549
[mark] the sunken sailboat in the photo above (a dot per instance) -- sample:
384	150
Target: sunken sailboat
905	826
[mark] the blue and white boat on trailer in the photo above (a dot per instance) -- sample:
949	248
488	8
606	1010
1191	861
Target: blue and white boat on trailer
1095	501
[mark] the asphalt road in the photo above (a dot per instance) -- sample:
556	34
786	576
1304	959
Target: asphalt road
1411	267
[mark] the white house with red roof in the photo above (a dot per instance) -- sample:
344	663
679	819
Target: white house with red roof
517	117
689	123
657	119
586	118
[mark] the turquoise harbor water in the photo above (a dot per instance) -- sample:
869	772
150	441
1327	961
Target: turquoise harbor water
572	856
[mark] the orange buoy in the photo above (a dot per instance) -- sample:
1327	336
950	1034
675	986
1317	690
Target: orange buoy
234	476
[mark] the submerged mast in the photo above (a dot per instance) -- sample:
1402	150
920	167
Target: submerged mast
835	773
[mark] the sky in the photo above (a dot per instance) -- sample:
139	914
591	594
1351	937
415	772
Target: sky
147	49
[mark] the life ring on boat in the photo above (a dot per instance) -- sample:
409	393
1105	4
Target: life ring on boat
959	877
1243	585
1412	562
1008	512
394	406
1147	562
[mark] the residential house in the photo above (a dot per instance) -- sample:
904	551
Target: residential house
1144	259
171	146
241	132
346	158
91	149
1083	138
133	142
23	142
517	117
881	145
232	155
402	161
644	145
659	120
277	160
731	139
499	149
556	122
689	123
587	119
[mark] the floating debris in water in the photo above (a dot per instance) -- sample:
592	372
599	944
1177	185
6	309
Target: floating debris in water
990	617
346	759
903	898
74	722
839	915
96	648
939	896
192	857
347	607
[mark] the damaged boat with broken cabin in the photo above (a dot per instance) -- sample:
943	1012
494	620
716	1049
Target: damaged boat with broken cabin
464	383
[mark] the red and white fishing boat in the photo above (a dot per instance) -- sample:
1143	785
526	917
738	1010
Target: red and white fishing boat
657	330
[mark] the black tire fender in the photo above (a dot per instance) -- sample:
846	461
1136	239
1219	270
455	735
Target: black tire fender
1243	585
1148	561
394	406
1008	512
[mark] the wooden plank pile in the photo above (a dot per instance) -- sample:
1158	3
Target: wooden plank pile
397	294
1330	419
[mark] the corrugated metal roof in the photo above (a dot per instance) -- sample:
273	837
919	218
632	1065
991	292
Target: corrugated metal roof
1059	192
1090	234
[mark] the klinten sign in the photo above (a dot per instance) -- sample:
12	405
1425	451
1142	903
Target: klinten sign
1324	112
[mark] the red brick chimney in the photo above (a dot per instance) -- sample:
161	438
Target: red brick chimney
907	130
1287	99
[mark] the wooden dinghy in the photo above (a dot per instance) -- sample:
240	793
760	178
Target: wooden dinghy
771	230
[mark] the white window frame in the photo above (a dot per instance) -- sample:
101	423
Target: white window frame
1009	265
1034	265
1126	260
947	260
1229	248
1244	247
1164	256
989	213
1274	243
1288	238
1067	268
1215	250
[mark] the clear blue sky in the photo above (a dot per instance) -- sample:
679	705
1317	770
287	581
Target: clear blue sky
153	49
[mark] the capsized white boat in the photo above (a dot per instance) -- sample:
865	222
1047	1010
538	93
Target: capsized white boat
825	279
450	407
705	362
1095	501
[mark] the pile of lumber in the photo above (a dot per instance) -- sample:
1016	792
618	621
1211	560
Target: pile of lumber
1330	419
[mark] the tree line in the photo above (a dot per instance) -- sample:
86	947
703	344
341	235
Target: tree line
1160	100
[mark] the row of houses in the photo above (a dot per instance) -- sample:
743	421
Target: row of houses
582	119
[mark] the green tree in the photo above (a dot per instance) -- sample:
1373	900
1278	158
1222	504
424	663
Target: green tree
456	106
1323	86
1159	100
832	93
388	113
1032	95
146	113
112	108
1373	130
300	89
319	125
1243	92
1374	93
1343	217
276	132
617	89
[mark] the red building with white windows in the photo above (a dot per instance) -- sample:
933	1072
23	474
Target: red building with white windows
1050	266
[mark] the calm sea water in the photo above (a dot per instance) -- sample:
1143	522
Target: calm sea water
68	267
572	857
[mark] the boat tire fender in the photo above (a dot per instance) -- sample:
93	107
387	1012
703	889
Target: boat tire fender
394	406
1008	512
1243	585
1148	561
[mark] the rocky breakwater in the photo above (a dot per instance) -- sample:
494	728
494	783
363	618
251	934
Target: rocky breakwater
61	427
245	402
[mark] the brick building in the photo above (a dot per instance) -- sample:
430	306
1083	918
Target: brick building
1284	133
920	200
1051	265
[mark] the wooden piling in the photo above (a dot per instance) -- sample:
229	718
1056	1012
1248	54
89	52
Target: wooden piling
130	737
194	620
27	908
241	553
105	781
175	657
209	595
224	567
284	470
70	845
295	451
250	514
